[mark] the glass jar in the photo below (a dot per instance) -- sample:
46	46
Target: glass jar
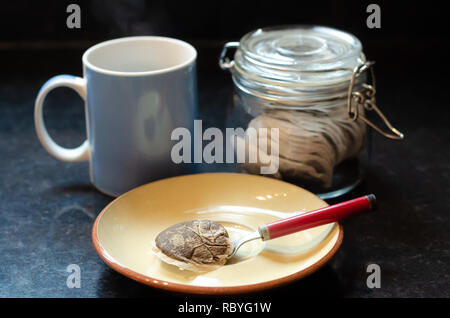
311	84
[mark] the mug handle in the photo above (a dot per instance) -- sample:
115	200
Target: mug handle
80	153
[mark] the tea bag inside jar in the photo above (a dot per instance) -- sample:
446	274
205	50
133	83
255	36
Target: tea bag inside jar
309	146
297	79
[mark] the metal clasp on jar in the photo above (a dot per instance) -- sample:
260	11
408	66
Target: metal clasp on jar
366	98
225	62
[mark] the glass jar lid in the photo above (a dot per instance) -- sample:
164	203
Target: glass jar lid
299	67
301	55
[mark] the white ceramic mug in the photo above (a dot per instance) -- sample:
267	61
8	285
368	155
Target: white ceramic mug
136	91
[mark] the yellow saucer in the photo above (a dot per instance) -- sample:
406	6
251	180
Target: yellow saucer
124	231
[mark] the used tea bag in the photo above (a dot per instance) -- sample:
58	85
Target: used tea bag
198	245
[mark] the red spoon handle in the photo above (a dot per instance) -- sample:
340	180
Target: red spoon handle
329	214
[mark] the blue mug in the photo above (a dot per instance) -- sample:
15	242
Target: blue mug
137	90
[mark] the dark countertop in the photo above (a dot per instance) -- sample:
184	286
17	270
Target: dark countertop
48	206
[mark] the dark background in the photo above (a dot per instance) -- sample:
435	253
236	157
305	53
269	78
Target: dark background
47	207
412	37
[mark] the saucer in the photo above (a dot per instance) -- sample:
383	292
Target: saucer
124	231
